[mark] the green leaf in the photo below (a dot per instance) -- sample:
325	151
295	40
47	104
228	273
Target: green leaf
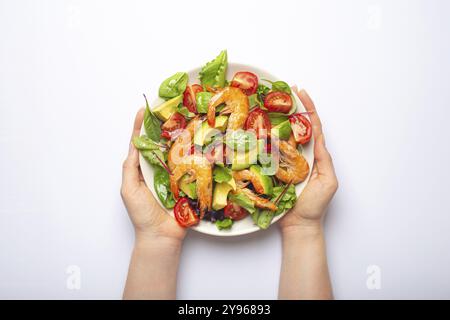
265	218
145	143
151	123
277	118
214	72
161	182
185	112
152	157
174	85
254	101
287	201
202	101
222	174
262	89
224	224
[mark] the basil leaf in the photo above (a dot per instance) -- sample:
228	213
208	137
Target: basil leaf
174	85
214	72
152	125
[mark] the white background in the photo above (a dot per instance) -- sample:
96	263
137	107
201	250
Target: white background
72	74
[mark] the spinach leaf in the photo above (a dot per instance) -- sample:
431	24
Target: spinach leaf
174	85
279	86
224	224
214	72
151	123
202	100
277	118
161	183
222	174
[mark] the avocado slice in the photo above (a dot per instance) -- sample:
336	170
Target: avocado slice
203	135
220	195
189	188
283	130
243	160
265	181
165	110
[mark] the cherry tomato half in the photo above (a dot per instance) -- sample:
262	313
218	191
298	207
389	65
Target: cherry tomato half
234	211
176	121
278	102
301	128
246	81
189	97
259	122
184	214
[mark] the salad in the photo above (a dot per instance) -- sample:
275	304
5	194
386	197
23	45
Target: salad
224	150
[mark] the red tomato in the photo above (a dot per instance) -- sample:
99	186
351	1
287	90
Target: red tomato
234	211
246	81
259	122
184	214
189	97
278	102
176	121
301	128
165	134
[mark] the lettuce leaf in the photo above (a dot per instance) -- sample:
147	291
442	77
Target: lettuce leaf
224	224
214	72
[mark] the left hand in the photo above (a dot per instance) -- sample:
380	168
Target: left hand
148	218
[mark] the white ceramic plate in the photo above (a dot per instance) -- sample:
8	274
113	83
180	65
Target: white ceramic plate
246	225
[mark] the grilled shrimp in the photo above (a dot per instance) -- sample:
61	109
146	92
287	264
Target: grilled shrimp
262	203
182	145
293	166
236	105
200	170
292	141
247	175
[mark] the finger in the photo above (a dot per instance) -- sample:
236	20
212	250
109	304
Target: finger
309	106
130	173
322	158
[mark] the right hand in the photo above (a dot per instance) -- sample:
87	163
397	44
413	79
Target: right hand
312	203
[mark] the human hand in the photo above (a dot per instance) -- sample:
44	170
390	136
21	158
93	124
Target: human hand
149	219
312	203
